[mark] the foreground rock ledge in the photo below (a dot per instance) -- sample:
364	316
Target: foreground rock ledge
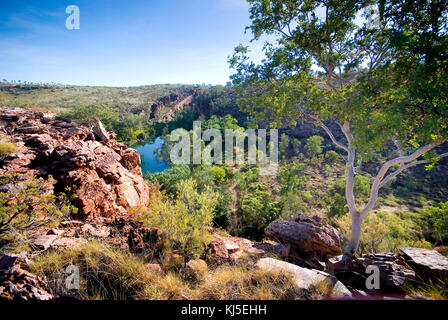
427	263
305	279
103	173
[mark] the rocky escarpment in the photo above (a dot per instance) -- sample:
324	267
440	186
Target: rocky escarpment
177	103
104	174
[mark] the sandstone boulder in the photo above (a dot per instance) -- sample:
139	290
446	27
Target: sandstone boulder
307	234
67	243
218	250
427	263
305	279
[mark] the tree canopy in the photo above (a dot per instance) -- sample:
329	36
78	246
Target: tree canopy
378	69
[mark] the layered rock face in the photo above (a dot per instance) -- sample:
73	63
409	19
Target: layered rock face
104	174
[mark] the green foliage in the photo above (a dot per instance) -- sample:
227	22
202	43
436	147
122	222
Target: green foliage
184	219
314	146
246	177
223	210
257	212
386	232
435	220
169	178
221	123
362	186
387	75
220	173
292	203
26	203
296	143
383	77
283	146
338	205
331	156
205	177
7	148
292	177
101	110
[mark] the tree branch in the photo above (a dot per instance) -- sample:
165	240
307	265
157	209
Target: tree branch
402	161
404	167
315	120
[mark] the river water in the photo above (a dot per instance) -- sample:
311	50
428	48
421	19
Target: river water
148	154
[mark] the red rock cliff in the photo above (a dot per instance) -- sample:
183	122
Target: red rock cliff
105	174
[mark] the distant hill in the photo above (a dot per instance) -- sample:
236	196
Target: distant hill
60	97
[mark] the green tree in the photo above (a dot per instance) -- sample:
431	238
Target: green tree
257	212
378	79
314	146
101	110
283	146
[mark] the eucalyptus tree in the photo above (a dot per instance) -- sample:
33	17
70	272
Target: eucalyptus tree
372	74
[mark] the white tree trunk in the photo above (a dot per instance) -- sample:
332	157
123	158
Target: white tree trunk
380	180
355	235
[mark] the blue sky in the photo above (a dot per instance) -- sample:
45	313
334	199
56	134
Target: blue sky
121	43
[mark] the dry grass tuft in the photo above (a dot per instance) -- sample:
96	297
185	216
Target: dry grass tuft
110	273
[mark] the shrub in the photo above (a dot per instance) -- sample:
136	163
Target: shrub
435	220
28	203
185	219
331	156
292	204
6	148
246	177
361	187
296	143
220	173
223	210
257	212
314	146
292	177
283	146
338	206
169	178
385	232
100	109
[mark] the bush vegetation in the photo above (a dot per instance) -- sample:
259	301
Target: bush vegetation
185	219
26	203
6	148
